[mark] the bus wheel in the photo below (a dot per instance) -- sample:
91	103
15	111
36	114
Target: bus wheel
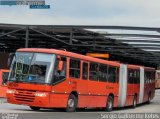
71	103
35	108
134	102
109	105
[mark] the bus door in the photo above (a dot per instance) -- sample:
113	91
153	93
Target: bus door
146	85
130	87
78	80
59	97
93	85
137	84
97	85
83	85
113	82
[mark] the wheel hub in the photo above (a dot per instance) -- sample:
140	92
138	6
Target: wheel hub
110	104
71	103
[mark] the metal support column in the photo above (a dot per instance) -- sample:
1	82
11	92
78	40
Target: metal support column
27	36
94	43
71	36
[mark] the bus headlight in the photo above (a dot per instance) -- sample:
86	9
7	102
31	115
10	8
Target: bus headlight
10	91
40	94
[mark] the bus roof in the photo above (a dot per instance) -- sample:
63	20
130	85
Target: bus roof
137	67
133	66
69	54
79	56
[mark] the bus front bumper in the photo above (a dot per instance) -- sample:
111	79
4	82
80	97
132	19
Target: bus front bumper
30	98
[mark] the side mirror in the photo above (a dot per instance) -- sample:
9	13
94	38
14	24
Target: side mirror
11	56
60	65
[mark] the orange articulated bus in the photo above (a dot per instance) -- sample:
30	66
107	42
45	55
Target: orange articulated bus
49	78
3	82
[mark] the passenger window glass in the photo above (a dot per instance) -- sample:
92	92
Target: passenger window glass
85	71
4	78
74	68
112	74
153	76
133	76
94	71
149	76
103	73
60	75
147	73
138	76
130	76
117	76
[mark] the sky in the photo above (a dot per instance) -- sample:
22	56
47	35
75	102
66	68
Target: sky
86	12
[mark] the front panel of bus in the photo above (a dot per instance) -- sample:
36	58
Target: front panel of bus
31	78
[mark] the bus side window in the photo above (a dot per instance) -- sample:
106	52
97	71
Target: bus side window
4	78
147	76
112	74
130	76
94	71
153	76
85	71
60	75
74	70
138	76
117	76
135	77
103	73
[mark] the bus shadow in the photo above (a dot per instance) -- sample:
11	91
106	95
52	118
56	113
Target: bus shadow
130	107
85	110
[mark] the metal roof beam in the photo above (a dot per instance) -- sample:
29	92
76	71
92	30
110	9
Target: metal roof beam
11	32
139	41
103	27
146	45
57	39
132	35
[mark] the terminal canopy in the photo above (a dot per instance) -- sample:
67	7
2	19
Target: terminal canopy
135	45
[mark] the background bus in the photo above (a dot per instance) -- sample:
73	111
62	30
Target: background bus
4	71
49	78
157	79
3	82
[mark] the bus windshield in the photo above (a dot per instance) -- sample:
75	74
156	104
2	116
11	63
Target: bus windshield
32	67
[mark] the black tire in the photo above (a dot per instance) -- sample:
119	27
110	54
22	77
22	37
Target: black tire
72	103
35	108
109	104
134	102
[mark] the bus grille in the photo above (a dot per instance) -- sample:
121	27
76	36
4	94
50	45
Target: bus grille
25	95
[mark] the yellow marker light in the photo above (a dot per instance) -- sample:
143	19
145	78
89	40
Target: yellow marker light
98	55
